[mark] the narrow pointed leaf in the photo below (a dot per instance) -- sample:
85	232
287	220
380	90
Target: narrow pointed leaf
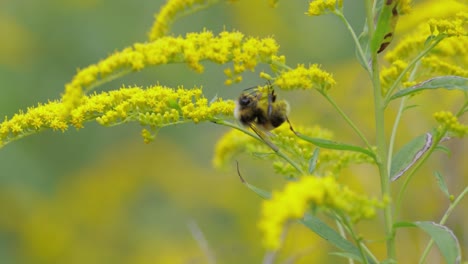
313	160
409	154
329	234
443	82
444	238
364	43
329	144
441	183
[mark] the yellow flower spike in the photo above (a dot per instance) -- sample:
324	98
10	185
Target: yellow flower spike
310	191
305	78
449	121
170	11
155	106
193	49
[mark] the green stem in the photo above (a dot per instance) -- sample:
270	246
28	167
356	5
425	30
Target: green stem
397	122
355	38
348	120
442	222
343	234
379	108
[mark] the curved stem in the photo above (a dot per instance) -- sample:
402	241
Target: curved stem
355	38
442	222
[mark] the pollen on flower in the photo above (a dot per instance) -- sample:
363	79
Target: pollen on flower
308	192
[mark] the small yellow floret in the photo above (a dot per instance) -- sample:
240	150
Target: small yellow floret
305	78
320	7
449	121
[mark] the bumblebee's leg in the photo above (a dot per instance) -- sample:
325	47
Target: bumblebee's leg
264	138
290	127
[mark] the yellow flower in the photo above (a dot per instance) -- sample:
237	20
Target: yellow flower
305	78
308	192
454	26
155	107
170	11
246	53
451	123
320	7
448	57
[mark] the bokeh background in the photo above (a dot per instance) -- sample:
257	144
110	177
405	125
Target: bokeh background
100	195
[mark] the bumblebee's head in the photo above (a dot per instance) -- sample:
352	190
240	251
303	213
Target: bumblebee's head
247	100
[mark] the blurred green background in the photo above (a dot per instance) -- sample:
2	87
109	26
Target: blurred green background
100	195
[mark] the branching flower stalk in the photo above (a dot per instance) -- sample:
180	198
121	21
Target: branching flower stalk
313	173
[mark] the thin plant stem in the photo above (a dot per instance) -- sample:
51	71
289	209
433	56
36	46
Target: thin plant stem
347	119
379	108
355	38
442	221
343	234
397	122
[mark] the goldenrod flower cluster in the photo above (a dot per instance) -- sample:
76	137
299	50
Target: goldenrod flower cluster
448	57
305	78
451	123
246	53
320	7
235	142
170	11
155	107
309	192
455	26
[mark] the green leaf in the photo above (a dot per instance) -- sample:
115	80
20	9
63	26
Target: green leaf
445	82
345	255
364	43
444	238
313	160
385	28
329	234
329	144
409	154
441	183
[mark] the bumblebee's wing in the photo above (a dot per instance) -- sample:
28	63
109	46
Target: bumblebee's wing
264	137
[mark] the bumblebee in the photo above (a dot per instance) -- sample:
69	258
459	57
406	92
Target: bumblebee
261	111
